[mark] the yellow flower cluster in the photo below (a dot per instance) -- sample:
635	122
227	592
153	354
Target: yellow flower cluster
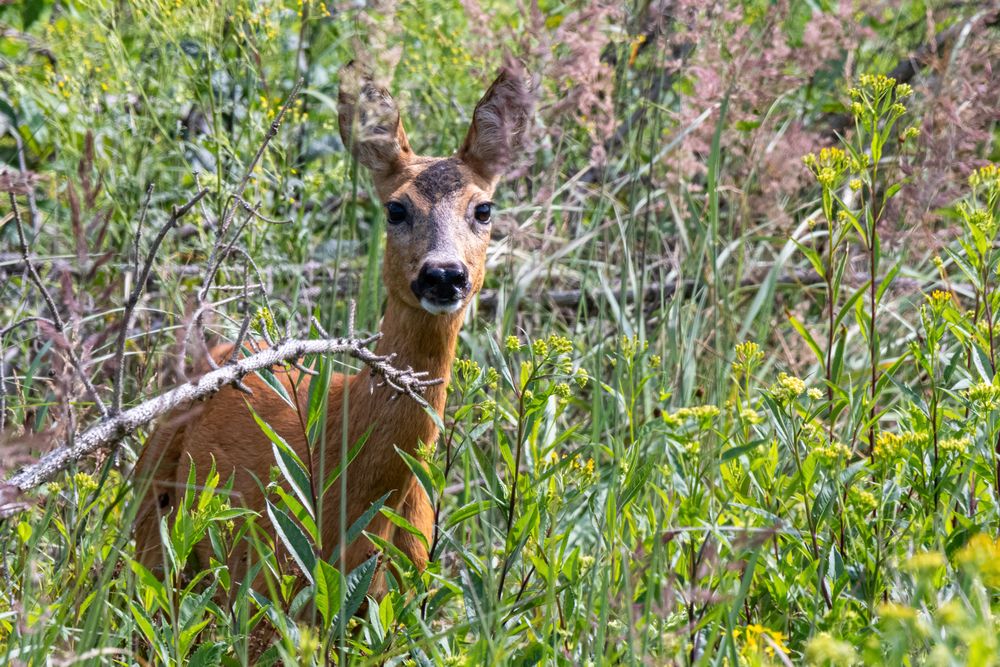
587	470
85	483
467	370
939	298
981	555
487	410
828	166
787	388
751	416
492	377
891	445
631	346
984	396
925	563
757	638
701	413
557	345
877	84
988	175
863	500
957	445
983	327
977	219
833	452
825	649
426	450
748	355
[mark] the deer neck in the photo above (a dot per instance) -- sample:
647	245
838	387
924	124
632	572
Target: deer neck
420	341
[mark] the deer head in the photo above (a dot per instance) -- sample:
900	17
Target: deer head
438	210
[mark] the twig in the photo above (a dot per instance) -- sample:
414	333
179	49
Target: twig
142	278
22	165
25	320
57	320
113	429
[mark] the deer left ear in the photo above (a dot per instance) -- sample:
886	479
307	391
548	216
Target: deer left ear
499	124
370	124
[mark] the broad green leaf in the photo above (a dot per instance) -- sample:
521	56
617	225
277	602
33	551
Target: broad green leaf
329	587
294	539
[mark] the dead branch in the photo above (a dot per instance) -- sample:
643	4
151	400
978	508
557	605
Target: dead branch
112	429
142	277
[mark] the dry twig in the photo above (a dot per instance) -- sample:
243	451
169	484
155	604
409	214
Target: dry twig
112	429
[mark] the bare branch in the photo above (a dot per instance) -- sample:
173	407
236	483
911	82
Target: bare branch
26	320
111	430
140	285
245	205
22	165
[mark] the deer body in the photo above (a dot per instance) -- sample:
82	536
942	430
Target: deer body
437	236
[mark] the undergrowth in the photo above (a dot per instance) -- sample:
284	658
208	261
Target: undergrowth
730	397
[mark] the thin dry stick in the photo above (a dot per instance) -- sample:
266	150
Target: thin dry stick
142	277
217	255
113	429
22	165
57	320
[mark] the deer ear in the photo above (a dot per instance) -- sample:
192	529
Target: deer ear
499	124
369	121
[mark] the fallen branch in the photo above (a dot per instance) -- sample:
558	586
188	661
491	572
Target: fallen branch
112	429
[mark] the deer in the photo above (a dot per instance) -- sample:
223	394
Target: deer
439	213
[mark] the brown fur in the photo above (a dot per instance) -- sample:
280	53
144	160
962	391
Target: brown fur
441	194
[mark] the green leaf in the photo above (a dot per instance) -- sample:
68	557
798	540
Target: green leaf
467	512
887	281
813	258
359	525
291	466
356	587
428	474
351	455
401	522
294	539
145	625
807	337
329	586
207	655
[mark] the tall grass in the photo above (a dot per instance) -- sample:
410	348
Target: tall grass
753	436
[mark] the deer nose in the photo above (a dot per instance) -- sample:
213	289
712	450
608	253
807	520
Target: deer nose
442	282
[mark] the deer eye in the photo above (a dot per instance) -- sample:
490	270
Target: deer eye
483	212
395	212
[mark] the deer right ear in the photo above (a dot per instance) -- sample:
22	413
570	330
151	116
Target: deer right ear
369	120
499	123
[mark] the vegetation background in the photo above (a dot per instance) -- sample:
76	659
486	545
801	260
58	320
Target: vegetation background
748	400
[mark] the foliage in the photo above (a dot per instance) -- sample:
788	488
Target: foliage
767	429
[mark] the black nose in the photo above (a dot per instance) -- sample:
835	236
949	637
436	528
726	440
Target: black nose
442	282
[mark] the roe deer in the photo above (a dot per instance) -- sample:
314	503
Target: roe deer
438	229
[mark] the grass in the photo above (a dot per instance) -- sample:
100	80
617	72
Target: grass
784	452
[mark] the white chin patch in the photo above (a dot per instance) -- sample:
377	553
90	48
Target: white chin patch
441	308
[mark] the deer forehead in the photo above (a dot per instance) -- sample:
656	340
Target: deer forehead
427	182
